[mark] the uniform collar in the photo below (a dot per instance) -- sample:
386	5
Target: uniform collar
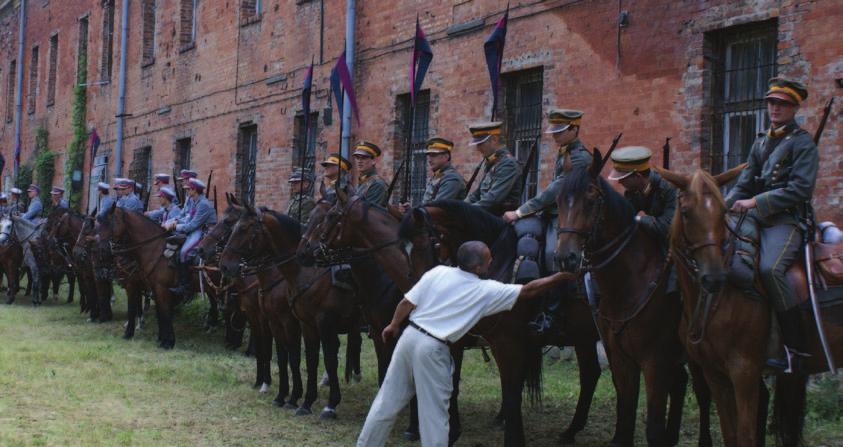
782	130
567	147
441	171
497	155
368	173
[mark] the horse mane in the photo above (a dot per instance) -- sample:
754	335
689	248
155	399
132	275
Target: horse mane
577	182
482	224
288	224
701	183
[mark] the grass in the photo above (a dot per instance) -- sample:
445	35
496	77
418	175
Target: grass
67	382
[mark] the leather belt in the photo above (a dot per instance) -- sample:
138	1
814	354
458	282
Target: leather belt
420	329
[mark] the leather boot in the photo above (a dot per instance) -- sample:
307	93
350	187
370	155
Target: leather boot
185	285
793	335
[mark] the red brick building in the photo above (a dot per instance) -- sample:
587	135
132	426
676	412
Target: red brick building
214	84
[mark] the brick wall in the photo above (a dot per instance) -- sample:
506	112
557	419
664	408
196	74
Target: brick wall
651	79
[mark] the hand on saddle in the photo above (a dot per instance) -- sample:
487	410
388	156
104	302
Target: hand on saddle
403	207
744	205
510	216
169	226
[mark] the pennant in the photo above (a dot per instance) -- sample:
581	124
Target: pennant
95	144
305	91
338	92
422	55
493	47
345	81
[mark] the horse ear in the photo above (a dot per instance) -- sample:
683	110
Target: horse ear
678	180
228	198
596	163
342	194
726	177
94	212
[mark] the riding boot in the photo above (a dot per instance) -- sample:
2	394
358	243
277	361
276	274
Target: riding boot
793	334
185	286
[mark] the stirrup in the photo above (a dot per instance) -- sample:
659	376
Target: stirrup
791	363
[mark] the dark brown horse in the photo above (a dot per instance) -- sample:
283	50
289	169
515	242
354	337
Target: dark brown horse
363	230
267	242
637	318
11	259
730	344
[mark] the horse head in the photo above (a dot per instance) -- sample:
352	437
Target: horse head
248	240
111	226
6	225
698	232
326	224
219	233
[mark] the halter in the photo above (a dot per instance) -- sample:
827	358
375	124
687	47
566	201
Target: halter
246	252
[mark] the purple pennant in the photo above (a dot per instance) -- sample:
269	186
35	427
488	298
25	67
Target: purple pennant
422	55
493	47
95	144
344	76
305	91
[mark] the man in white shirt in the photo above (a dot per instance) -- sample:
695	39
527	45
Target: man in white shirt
443	306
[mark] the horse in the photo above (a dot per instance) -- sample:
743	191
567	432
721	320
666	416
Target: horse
64	235
371	231
138	242
23	232
733	361
11	258
267	242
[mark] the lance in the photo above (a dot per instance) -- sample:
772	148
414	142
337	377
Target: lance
216	208
666	153
395	179
826	113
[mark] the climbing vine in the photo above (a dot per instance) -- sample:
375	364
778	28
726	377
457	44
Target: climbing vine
75	159
45	164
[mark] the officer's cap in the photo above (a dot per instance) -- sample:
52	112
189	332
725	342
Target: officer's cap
162	179
480	132
298	175
16	191
103	186
196	184
33	188
336	159
185	174
57	190
559	120
438	145
793	92
167	192
366	149
629	160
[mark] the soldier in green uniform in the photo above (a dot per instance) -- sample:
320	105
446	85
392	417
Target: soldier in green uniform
499	190
775	191
333	164
301	198
445	182
369	185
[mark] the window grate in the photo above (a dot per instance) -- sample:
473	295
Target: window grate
82	52
107	60
10	91
183	146
523	92
140	169
53	69
187	30
247	160
148	45
418	144
33	81
298	141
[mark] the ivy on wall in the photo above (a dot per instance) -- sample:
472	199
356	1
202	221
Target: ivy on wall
44	165
75	158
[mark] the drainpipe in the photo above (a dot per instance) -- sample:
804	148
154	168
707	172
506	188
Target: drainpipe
121	102
19	85
349	59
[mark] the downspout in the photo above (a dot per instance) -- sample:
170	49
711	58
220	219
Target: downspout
121	80
19	86
350	18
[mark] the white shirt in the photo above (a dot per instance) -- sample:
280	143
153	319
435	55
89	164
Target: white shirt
450	301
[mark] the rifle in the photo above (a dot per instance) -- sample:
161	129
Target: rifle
666	153
609	152
474	176
210	176
216	209
395	178
146	199
826	113
530	159
178	191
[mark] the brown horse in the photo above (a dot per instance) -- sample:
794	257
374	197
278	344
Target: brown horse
637	318
267	241
731	342
364	230
11	259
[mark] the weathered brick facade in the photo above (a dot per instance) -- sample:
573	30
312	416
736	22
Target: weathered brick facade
650	79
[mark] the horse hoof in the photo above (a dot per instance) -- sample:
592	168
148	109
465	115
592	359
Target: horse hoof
411	436
302	411
328	414
127	336
264	388
566	438
290	406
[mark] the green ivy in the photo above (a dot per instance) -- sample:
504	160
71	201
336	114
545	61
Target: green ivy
24	178
75	159
45	164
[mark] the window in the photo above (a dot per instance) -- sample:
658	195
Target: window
107	40
141	168
82	52
148	44
187	32
183	154
744	59
52	73
33	81
418	161
522	92
298	141
250	11
247	153
10	91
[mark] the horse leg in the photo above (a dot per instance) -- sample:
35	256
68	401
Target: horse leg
658	381
676	394
589	373
455	425
764	402
331	347
510	360
283	360
213	317
703	395
354	343
625	376
103	297
311	356
166	333
133	305
724	396
71	285
746	398
293	337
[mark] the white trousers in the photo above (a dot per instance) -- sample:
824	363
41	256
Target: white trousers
420	366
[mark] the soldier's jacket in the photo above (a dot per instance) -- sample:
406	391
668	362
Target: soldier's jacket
130	202
658	202
329	189
15	207
574	155
34	210
201	215
781	174
498	190
372	187
104	204
162	214
306	205
62	204
445	183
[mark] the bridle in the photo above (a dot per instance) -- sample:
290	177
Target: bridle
250	264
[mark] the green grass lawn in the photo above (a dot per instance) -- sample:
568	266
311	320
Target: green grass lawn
67	382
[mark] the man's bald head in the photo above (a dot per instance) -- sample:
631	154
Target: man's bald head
474	257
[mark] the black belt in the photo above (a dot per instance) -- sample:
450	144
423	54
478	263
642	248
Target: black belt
420	329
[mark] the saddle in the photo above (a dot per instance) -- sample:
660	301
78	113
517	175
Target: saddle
173	243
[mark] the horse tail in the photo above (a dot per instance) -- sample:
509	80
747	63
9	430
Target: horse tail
789	409
533	372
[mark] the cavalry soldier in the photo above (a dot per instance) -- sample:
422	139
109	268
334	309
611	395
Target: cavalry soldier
57	198
498	191
301	200
4	204
105	200
15	205
445	182
370	185
35	207
191	223
168	209
126	197
184	176
333	164
161	180
775	192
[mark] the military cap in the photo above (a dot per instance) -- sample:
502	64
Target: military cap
196	184
3	197
185	174
629	160
138	185
57	190
786	90
103	186
34	188
480	132
299	175
123	183
560	120
438	145
167	192
366	149
162	179
336	159
16	191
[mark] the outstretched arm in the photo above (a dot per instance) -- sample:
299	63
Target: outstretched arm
537	287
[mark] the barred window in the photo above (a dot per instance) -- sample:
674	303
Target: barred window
33	81
107	60
183	154
187	31
417	164
10	91
82	52
298	141
140	169
148	44
53	69
522	91
247	154
250	11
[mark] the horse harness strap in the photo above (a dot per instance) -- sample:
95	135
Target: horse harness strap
621	240
619	324
119	251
